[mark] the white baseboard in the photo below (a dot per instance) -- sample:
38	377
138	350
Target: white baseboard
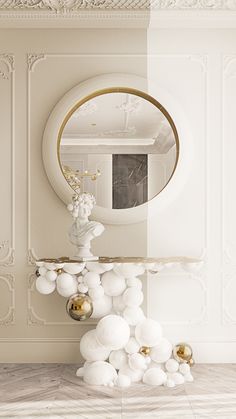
214	352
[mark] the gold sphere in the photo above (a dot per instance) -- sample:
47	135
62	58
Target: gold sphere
182	352
191	362
144	350
59	271
79	307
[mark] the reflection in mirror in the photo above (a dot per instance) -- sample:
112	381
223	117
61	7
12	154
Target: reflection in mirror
121	146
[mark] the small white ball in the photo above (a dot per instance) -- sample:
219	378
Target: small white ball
107	266
95	267
50	266
133	297
133	315
148	360
69	291
51	275
169	383
101	307
84	271
73	268
96	293
154	377
162	352
177	378
59	265
137	362
113	284
82	288
118	358
66	280
92	279
113	332
172	365
42	270
123	380
148	332
134	375
188	377
132	346
80	372
80	279
134	282
44	286
91	349
118	304
100	373
184	369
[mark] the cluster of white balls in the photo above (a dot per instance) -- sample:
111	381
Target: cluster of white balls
114	352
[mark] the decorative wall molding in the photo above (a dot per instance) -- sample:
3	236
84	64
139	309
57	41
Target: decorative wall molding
9	318
32	59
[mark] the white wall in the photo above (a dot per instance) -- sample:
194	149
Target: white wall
197	67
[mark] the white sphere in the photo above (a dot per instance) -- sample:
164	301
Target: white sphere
42	270
113	284
118	358
133	315
80	372
95	267
50	266
129	270
134	375
137	362
107	266
148	360
134	282
59	265
101	307
148	332
118	304
44	286
65	280
113	332
73	268
169	383
123	380
177	378
69	291
133	297
132	346
100	373
84	271
92	279
51	275
172	365
188	377
91	349
96	293
82	288
162	352
184	369
154	377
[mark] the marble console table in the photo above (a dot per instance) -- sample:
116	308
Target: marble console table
125	347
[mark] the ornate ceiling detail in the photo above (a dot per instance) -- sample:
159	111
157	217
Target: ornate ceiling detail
69	6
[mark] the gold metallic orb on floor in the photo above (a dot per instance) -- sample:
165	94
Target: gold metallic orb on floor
182	352
144	350
79	307
191	362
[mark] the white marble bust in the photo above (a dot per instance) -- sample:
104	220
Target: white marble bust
83	230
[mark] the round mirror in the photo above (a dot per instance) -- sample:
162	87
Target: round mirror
119	144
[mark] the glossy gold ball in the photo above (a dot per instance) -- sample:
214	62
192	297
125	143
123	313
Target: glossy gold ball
182	352
144	350
191	362
79	307
59	271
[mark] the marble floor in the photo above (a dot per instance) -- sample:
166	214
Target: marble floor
53	391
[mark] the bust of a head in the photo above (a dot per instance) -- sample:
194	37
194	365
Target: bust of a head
81	205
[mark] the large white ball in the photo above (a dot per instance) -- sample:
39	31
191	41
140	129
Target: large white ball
123	380
95	267
113	284
100	373
118	304
148	332
162	352
133	315
137	362
172	365
132	346
133	297
101	307
92	279
42	270
129	270
65	280
113	332
68	291
118	358
177	378
82	288
134	375
96	293
44	286
51	275
91	349
73	268
154	377
134	282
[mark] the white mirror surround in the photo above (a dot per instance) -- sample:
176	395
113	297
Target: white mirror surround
79	94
